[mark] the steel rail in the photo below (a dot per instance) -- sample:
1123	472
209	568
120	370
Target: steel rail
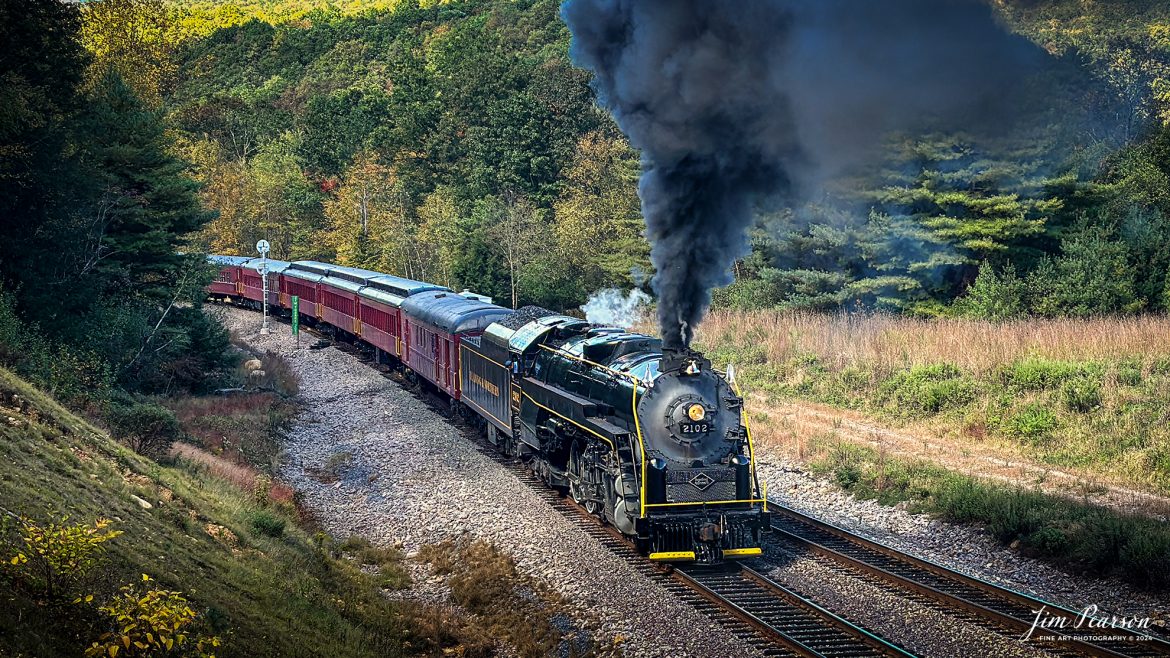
795	621
1003	606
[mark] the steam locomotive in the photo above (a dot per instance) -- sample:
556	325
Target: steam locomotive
653	441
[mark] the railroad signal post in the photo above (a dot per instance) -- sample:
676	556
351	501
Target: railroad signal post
263	247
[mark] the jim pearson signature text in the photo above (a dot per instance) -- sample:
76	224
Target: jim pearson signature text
1089	618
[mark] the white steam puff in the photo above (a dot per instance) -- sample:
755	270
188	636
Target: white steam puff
614	308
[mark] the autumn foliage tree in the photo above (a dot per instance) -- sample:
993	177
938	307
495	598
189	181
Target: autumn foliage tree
136	38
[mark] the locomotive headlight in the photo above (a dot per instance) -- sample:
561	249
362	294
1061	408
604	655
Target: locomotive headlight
696	412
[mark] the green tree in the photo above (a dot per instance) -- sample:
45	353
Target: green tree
340	125
443	233
598	220
147	202
1091	277
514	227
40	71
962	205
136	38
994	296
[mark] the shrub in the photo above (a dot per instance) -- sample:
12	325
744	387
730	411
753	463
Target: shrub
1147	555
854	378
929	389
56	558
1092	277
151	623
1081	394
1033	421
745	294
387	560
266	523
993	296
1047	541
261	486
71	373
1035	374
934	397
148	429
1129	373
847	476
1133	547
278	375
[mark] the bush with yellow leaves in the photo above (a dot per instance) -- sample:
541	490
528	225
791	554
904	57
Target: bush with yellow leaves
54	559
154	622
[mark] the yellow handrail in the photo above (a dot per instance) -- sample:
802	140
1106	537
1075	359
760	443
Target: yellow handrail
634	410
642	450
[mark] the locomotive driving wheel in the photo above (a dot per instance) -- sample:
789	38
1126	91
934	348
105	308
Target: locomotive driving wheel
576	477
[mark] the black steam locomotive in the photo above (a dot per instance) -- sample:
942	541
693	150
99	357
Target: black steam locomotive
653	441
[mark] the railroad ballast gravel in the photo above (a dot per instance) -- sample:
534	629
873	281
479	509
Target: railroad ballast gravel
967	549
406	474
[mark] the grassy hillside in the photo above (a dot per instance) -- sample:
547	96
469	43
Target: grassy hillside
259	582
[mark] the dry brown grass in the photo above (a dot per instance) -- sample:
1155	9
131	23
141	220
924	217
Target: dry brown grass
888	342
508	607
246	428
242	476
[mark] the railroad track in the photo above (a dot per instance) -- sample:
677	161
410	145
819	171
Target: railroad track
762	613
1005	609
795	622
780	622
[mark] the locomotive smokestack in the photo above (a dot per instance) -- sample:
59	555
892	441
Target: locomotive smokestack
735	105
683	360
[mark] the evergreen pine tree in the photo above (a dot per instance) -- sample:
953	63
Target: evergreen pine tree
150	204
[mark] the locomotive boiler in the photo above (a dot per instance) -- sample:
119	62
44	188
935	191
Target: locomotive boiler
653	441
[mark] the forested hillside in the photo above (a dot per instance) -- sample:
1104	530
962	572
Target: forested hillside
99	289
432	141
452	143
455	142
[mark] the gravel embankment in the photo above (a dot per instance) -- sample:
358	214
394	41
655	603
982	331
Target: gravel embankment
966	549
407	475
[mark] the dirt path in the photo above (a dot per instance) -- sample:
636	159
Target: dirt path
791	423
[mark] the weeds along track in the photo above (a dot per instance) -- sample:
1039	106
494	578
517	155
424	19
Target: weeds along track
999	609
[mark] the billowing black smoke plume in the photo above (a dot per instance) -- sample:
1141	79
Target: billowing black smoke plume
739	105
